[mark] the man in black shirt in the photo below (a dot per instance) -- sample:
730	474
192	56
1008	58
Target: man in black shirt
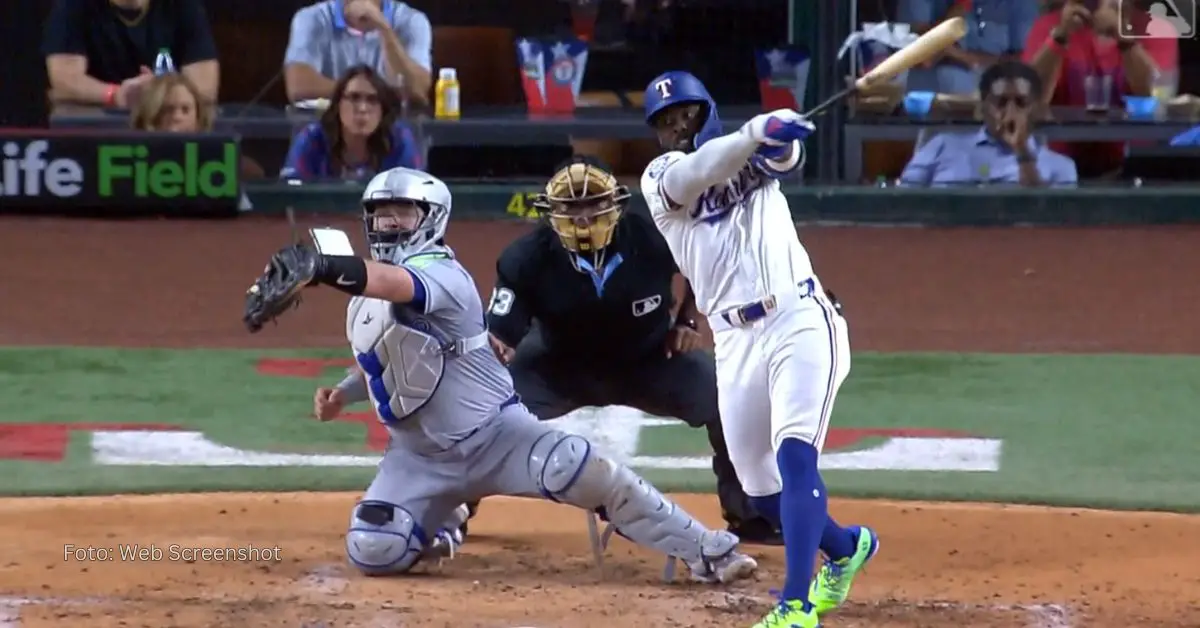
582	314
101	52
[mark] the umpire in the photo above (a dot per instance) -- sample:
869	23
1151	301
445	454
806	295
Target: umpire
582	314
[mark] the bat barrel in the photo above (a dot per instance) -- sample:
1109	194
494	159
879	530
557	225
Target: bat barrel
922	49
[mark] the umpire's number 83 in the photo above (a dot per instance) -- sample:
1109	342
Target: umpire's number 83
502	301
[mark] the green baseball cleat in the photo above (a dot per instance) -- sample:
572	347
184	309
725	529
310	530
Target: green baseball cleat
832	584
790	614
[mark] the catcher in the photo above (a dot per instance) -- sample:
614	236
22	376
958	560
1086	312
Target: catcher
596	277
458	431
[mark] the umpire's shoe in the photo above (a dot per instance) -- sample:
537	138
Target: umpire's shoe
757	531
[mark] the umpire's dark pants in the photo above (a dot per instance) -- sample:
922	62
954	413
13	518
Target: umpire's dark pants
683	386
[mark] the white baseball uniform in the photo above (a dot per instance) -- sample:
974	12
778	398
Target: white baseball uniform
782	351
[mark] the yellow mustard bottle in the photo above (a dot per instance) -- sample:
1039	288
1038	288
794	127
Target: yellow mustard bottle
446	102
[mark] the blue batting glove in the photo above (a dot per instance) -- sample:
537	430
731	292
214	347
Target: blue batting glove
779	128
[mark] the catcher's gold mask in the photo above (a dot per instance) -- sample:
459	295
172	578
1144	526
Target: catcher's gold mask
583	203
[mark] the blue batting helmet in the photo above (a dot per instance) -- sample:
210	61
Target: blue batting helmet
678	88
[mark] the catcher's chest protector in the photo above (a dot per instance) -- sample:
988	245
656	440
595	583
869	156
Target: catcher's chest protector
403	365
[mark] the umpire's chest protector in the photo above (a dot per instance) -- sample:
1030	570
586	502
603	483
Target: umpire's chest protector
403	365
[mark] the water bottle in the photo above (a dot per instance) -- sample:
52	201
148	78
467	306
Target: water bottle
163	63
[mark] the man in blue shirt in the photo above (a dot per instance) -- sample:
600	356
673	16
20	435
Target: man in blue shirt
330	37
1003	151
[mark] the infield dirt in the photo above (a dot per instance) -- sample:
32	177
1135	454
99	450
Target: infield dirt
180	284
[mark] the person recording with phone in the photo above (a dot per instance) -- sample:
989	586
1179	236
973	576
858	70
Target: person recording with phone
1091	53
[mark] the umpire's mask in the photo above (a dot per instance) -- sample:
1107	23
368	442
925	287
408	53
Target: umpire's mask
583	203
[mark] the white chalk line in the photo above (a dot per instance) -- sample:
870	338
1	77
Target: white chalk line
10	611
10	606
1051	616
322	580
1039	615
325	581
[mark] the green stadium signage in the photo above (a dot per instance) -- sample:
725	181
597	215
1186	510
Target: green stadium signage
167	176
119	173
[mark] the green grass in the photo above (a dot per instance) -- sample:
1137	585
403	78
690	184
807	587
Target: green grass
1111	431
1091	430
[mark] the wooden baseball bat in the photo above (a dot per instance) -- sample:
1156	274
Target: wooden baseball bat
924	48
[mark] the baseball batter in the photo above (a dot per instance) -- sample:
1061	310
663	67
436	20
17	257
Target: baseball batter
782	350
458	432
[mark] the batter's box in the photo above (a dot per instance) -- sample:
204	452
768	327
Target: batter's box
198	611
902	614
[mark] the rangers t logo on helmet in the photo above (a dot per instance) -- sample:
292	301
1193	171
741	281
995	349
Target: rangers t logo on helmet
682	88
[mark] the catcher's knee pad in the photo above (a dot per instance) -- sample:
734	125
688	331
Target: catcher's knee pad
567	469
383	539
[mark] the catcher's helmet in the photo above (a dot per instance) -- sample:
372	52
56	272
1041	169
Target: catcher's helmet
405	186
583	203
681	88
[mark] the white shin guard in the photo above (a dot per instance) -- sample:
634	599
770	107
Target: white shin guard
568	469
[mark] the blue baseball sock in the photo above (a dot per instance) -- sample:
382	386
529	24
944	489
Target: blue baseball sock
837	542
803	507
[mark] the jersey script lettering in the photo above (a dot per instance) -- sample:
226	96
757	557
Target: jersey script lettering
719	200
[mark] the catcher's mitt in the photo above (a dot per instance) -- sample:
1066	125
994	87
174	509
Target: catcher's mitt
278	288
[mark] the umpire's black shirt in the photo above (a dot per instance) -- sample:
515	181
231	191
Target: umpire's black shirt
586	317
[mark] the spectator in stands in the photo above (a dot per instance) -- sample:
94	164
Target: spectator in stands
1004	151
996	30
330	37
1071	42
359	135
646	22
172	103
100	52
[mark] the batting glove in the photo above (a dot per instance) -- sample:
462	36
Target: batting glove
774	153
779	128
